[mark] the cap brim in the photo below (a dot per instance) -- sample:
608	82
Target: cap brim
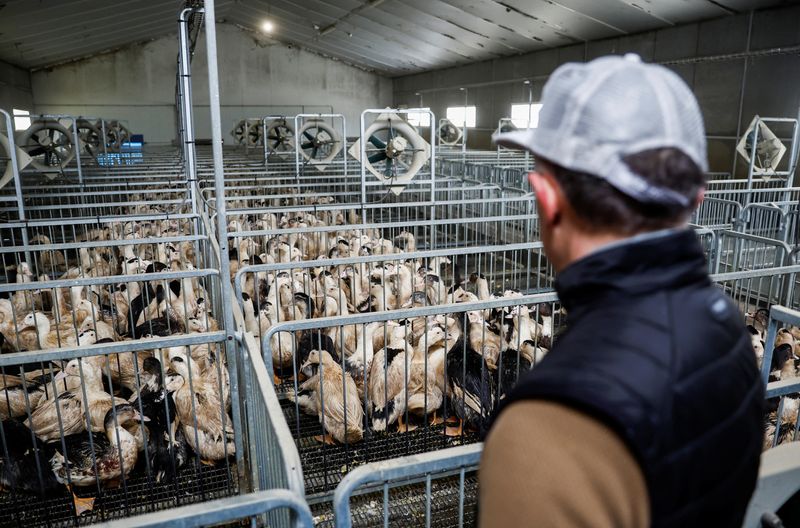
518	139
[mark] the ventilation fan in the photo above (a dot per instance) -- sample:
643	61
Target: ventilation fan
769	149
395	152
319	143
90	135
280	138
505	125
116	135
449	134
238	133
23	160
49	145
255	133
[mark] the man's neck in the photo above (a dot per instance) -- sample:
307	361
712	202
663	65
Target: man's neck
583	244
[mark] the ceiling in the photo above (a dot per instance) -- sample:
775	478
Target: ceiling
393	37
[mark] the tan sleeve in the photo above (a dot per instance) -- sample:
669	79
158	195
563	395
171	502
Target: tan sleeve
547	465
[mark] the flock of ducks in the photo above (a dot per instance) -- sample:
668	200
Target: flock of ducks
95	420
381	375
785	364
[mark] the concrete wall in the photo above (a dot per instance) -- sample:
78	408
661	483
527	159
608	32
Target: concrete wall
15	90
258	77
770	87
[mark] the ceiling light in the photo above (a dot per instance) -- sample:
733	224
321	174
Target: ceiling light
267	26
327	30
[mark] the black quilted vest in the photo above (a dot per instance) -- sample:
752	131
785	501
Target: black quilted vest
659	353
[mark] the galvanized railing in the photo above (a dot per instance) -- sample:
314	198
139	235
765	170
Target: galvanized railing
448	475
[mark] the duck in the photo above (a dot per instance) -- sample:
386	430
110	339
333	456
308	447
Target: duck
388	378
483	338
340	413
757	343
166	446
37	334
470	387
199	407
513	363
162	326
21	395
426	381
120	368
52	261
358	363
23	459
257	323
759	319
87	461
482	286
784	364
68	408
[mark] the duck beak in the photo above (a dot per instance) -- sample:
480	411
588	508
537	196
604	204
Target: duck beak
60	376
138	417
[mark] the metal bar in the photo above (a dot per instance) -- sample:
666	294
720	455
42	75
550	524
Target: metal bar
138	345
399	469
221	511
222	226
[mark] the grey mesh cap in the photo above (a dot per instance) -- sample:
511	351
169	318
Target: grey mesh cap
596	113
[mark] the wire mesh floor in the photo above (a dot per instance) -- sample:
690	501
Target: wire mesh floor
142	496
325	465
407	505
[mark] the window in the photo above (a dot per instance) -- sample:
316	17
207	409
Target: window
22	119
458	114
520	113
419	119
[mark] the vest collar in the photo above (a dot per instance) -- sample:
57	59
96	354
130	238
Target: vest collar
638	265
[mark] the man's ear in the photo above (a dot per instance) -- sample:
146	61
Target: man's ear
548	195
701	195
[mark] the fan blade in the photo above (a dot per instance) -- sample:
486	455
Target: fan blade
377	142
308	135
34	150
307	144
314	153
389	167
375	158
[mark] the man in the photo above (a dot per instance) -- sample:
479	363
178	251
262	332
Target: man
648	410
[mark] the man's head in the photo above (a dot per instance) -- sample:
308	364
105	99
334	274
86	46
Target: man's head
620	150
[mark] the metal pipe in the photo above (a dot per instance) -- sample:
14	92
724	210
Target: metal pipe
222	226
185	74
741	90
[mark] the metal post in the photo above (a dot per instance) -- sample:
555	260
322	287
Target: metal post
297	121
363	157
12	154
264	135
185	75
741	93
222	225
77	137
752	164
105	143
464	144
530	107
